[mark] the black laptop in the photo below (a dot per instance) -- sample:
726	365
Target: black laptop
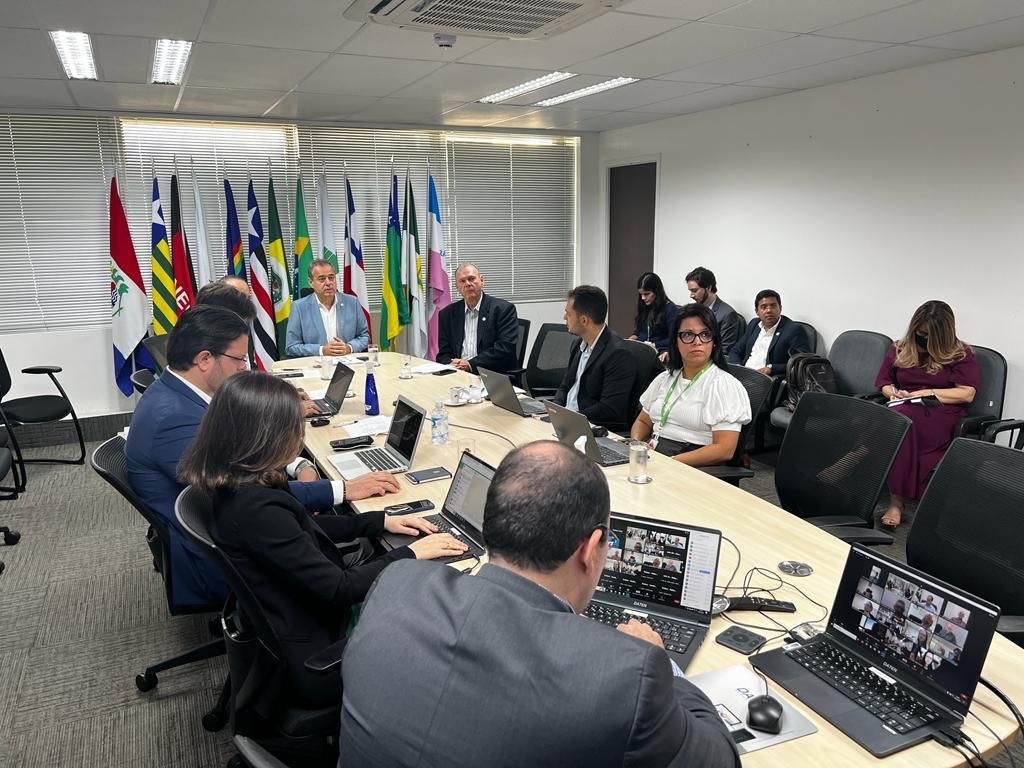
334	398
399	447
663	574
499	389
570	426
899	659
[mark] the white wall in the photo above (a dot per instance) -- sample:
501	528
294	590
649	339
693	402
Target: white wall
856	201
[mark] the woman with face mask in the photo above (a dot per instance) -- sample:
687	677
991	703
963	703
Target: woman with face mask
928	362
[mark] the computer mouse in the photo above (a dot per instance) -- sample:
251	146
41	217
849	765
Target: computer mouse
600	431
764	713
320	421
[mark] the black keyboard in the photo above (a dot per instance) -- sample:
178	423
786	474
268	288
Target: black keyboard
443	526
378	460
326	407
896	706
610	456
676	635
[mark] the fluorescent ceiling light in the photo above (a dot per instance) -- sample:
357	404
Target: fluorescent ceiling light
539	141
169	61
588	91
527	87
75	51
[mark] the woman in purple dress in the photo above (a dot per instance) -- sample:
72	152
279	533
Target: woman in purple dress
928	361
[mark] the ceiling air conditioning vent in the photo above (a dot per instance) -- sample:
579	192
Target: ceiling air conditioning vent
532	19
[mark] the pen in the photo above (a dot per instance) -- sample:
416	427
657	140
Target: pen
347	423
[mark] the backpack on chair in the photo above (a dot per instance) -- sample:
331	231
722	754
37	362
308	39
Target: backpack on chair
807	372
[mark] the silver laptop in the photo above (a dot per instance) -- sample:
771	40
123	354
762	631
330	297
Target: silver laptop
334	398
570	426
502	394
396	454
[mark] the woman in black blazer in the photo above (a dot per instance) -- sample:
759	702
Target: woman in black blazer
251	429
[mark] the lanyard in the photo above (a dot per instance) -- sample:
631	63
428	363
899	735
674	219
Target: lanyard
666	408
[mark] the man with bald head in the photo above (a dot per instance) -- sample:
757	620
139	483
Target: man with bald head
479	331
237	282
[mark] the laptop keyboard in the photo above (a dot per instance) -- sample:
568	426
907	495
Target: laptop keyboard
893	704
378	460
325	406
674	634
611	456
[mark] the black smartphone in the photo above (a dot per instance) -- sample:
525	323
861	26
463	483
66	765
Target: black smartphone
297	375
444	372
428	475
348	443
409	508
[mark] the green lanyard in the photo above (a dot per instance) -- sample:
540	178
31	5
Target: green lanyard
666	409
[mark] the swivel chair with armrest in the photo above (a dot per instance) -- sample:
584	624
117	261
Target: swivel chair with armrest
758	386
549	359
523	336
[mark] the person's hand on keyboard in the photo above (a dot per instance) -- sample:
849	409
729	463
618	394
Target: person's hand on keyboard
411	525
370	484
308	406
638	629
437	545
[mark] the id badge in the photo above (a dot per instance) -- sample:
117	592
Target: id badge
653	443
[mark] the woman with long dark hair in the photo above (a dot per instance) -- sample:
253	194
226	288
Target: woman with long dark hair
655	313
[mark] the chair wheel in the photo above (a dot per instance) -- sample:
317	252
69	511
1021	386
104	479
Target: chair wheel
214	721
2	566
146	681
11	538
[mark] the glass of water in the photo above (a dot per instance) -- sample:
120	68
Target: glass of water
371	352
638	462
405	372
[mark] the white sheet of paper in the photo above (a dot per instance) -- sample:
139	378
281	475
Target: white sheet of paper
317	394
426	368
371	425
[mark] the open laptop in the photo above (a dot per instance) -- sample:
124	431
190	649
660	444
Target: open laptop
663	574
398	450
570	426
499	389
462	514
334	398
899	659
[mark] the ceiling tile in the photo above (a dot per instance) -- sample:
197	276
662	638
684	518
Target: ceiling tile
226	101
596	37
614	120
483	114
129	96
179	20
318	106
713	98
28	53
926	18
800	51
419	111
872	63
123	59
638	94
378	40
550	117
682	47
988	37
309	25
799	15
18	13
572	84
365	75
241	66
677	9
22	92
466	82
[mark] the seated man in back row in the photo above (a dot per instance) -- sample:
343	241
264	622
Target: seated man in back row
324	323
479	331
771	338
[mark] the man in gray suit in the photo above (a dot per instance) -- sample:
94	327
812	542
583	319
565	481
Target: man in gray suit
497	669
703	289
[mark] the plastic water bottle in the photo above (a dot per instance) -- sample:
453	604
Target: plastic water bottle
371	405
439	423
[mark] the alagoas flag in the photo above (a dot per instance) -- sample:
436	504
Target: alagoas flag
128	318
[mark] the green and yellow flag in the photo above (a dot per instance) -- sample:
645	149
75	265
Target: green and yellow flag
280	289
394	304
302	253
165	304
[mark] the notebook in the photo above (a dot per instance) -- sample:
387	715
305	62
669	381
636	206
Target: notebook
570	426
499	389
398	450
334	398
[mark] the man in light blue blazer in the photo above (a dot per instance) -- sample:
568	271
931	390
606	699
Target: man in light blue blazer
324	323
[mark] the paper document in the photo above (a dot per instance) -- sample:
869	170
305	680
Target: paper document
425	368
929	400
317	394
370	426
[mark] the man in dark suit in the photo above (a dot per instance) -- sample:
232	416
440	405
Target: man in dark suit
770	339
497	669
599	380
479	331
703	288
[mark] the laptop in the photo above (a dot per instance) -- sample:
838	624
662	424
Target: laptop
899	660
398	450
462	514
663	574
499	389
334	398
570	426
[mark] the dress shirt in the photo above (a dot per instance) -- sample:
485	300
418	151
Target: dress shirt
329	318
469	338
205	397
759	352
571	399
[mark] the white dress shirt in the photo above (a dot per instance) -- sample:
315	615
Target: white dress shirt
759	352
715	402
572	399
329	317
469	350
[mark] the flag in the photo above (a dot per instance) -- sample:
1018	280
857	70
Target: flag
127	294
355	274
236	261
280	289
181	256
203	257
328	248
394	306
412	273
165	305
263	326
301	251
438	295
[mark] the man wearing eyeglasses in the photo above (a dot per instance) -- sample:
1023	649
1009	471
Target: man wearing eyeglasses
498	669
324	323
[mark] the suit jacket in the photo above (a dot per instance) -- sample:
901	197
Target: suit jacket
607	384
658	333
497	331
452	670
163	426
789	339
729	322
306	332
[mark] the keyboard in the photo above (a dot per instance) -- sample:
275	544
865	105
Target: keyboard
676	635
611	454
378	460
896	706
327	408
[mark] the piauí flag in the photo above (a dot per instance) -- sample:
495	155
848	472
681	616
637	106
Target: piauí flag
236	261
439	293
394	305
328	246
412	274
165	305
355	274
264	342
280	285
203	257
302	252
127	294
184	278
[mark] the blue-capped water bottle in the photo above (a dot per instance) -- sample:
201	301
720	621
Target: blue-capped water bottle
371	405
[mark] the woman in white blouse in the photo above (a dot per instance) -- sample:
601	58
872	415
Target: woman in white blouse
694	411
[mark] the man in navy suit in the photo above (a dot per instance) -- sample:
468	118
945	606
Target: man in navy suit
480	330
207	345
324	323
770	339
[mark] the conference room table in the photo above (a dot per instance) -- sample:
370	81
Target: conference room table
763	533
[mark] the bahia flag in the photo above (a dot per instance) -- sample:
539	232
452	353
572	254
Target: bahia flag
439	293
264	343
127	294
165	305
184	278
394	305
203	258
302	252
236	261
412	273
280	287
355	275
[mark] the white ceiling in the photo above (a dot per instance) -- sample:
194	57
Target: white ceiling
301	59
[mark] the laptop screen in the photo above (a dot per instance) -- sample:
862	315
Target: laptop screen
916	624
338	387
468	492
659	562
405	428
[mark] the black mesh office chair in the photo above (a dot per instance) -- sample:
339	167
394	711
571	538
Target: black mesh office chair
646	366
987	406
157	348
1011	430
758	387
142	379
548	359
812	335
516	374
969	526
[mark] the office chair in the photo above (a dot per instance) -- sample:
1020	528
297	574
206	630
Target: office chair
157	348
9	492
646	367
969	524
10	537
110	463
259	685
987	406
758	387
812	335
549	359
516	374
142	379
1015	428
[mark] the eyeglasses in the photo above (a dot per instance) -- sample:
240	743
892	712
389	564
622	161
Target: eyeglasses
235	357
689	337
604	529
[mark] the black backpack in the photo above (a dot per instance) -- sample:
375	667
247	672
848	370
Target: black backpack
807	372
